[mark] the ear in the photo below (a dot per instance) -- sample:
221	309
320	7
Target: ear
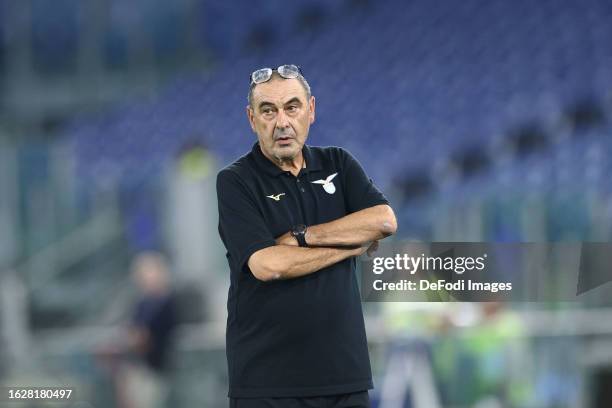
312	109
251	117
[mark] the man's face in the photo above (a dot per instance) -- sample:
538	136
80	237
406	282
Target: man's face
281	116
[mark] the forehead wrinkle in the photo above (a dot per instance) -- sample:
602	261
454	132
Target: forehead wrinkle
275	93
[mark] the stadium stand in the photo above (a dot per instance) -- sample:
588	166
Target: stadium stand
441	83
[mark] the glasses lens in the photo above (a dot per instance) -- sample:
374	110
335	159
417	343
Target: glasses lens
289	71
261	75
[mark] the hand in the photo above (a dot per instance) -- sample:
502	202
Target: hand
287	239
369	247
372	248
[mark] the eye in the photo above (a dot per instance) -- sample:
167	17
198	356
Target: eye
292	108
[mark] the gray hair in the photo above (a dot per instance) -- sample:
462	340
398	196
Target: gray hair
275	74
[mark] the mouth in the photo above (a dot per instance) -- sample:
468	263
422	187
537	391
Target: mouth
284	140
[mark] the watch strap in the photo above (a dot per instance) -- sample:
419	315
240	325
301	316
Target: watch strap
299	232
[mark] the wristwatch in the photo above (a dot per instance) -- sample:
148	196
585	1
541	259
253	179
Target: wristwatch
299	232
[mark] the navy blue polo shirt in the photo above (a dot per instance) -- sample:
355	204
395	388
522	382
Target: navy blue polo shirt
298	337
156	314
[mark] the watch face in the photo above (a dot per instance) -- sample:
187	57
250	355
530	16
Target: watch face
300	229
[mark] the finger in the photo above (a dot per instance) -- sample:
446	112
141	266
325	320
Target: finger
373	248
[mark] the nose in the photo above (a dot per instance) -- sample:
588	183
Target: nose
281	119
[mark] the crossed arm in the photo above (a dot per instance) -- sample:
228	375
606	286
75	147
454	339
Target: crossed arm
329	243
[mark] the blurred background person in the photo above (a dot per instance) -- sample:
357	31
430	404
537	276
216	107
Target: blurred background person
138	358
150	334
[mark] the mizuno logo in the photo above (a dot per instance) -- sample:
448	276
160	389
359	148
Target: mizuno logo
276	197
328	186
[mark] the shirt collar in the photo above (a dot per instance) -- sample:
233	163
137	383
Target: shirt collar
312	161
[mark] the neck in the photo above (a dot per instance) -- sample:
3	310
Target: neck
293	165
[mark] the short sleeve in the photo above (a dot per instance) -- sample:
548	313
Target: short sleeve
360	191
241	226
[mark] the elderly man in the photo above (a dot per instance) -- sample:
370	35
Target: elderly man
294	218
